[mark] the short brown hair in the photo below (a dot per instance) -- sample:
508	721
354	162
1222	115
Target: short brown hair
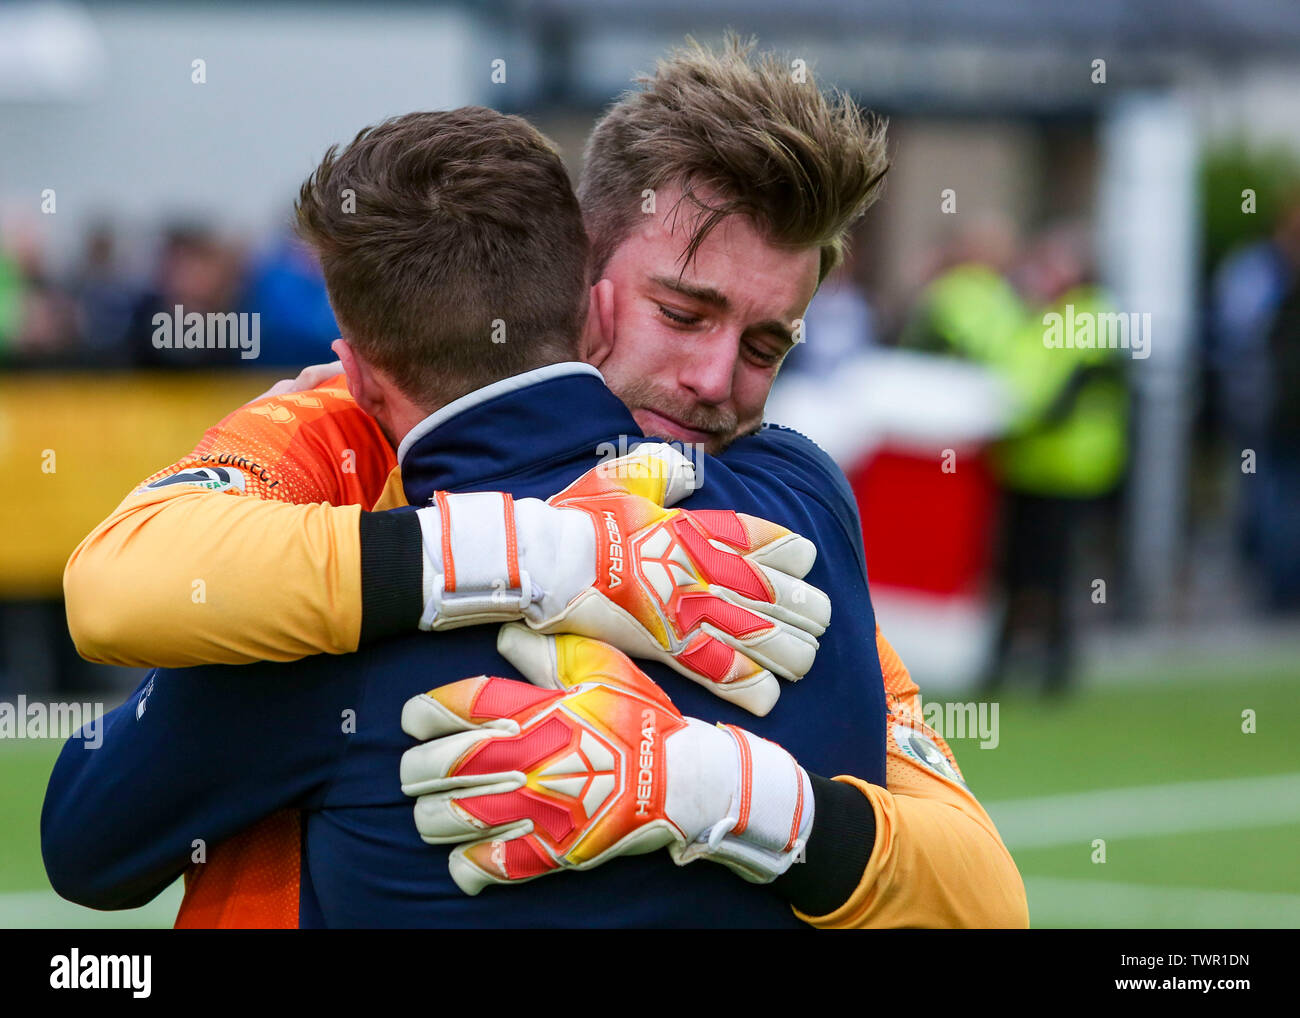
802	164
458	221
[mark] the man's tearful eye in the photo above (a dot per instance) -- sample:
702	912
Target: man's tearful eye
762	356
678	317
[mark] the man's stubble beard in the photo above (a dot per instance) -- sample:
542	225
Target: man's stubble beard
641	394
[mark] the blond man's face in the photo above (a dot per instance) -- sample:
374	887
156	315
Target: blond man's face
693	353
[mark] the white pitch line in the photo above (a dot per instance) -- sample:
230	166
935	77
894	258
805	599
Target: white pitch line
1055	901
1147	811
1140	811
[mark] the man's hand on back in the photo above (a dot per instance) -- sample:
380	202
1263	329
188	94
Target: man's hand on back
308	378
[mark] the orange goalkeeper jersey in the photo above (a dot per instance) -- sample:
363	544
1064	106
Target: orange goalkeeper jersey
249	549
309	447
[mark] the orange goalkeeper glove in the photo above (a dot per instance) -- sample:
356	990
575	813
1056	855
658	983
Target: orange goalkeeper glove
717	595
596	765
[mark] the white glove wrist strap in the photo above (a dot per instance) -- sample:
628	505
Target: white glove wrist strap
769	817
471	562
488	558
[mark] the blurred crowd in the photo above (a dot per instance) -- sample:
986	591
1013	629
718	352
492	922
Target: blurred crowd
100	313
1251	368
981	295
985	295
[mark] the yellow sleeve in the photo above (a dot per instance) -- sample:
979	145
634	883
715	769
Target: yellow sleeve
232	554
194	578
938	860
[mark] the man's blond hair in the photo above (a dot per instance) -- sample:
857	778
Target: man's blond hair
739	132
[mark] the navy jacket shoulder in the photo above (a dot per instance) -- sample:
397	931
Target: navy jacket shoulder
807	469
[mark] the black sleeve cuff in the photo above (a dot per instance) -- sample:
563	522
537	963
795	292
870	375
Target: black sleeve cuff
837	853
392	574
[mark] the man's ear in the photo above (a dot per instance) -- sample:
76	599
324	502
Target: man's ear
361	380
598	334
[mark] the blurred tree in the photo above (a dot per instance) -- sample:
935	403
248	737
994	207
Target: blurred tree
1230	168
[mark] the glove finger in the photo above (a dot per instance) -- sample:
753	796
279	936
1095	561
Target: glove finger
441	711
512	859
760	540
741	531
482	702
788	553
727	673
798	603
429	766
532	653
783	650
662	462
442	819
654	470
798	606
683	547
562	662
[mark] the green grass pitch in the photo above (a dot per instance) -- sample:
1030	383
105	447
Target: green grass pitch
1164	730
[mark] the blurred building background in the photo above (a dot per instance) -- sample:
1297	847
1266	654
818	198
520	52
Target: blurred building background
1132	159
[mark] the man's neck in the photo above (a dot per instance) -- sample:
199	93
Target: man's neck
398	421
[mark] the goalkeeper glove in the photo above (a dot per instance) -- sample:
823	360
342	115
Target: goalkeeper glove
597	765
717	595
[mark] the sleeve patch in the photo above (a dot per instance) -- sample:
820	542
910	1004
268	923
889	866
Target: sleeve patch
920	747
208	478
